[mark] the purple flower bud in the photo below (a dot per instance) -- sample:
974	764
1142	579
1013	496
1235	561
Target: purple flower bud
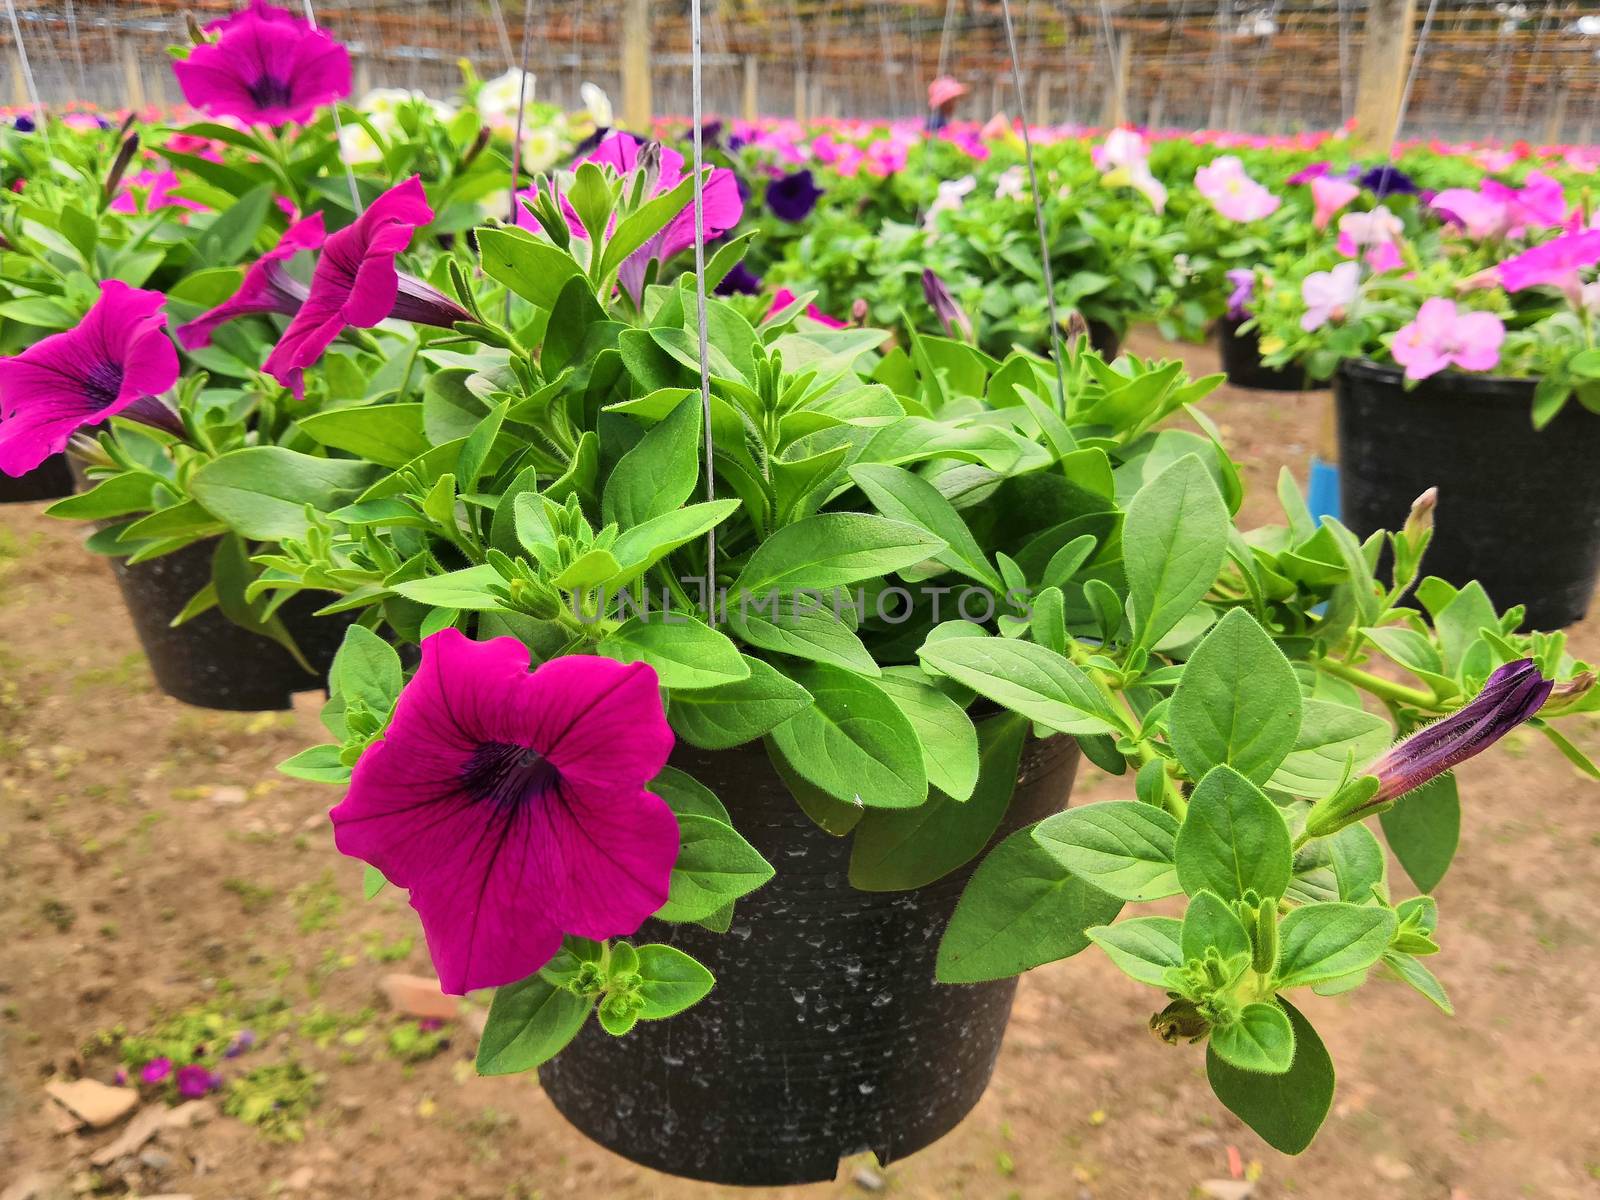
951	315
242	1041
1244	290
1513	694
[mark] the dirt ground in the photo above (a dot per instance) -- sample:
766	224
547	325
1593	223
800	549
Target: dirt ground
152	862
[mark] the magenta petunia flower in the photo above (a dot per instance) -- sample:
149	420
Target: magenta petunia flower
1556	262
723	206
267	288
267	66
513	805
157	190
118	359
357	283
156	1070
194	1081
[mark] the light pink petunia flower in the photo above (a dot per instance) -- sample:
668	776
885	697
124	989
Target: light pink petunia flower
1442	337
1329	294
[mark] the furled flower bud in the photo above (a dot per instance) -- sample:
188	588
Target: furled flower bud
858	311
119	166
951	315
1420	519
1077	327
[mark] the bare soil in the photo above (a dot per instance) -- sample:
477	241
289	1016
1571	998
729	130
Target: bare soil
152	861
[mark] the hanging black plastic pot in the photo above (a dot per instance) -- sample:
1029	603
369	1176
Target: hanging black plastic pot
826	1034
50	480
1241	361
1105	339
1519	508
209	661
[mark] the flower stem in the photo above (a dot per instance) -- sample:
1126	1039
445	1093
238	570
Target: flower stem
1381	688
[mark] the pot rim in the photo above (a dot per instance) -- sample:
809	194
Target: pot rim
1473	383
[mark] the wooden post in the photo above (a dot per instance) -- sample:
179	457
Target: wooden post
132	80
1385	62
1041	100
800	94
19	83
1153	118
636	104
751	106
363	78
1557	118
1116	109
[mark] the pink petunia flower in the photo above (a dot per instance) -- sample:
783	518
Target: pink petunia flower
156	1070
723	207
1232	192
267	288
356	283
784	297
1328	295
118	359
1330	193
266	67
1124	157
513	805
1479	215
194	1081
1441	337
1555	263
157	190
1359	231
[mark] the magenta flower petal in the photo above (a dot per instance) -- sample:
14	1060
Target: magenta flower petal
156	1070
355	282
267	287
266	66
1556	262
194	1081
118	355
512	805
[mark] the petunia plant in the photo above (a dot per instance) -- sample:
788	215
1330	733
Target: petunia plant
902	564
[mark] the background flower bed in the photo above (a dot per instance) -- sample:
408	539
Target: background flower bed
187	873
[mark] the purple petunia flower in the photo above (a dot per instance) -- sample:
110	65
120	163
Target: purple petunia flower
793	196
242	1041
513	805
1512	695
195	1081
1388	181
268	287
741	281
356	283
267	67
24	124
1244	290
117	360
156	1070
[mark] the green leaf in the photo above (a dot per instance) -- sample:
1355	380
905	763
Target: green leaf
1423	829
1020	909
685	652
853	742
897	850
899	494
1332	737
715	866
1142	948
644	545
1124	848
261	491
1174	541
463	589
659	473
948	739
1233	840
372	882
366	668
529	1023
687	796
832	550
114	497
318	764
1025	678
1318	942
387	434
1408	970
233	231
1286	1109
731	714
1209	923
1261	1040
1238	702
670	981
533	269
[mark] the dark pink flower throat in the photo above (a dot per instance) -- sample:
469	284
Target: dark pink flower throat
507	775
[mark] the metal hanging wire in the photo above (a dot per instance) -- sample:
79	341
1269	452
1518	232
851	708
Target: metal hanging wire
1411	76
1038	213
700	302
32	84
338	129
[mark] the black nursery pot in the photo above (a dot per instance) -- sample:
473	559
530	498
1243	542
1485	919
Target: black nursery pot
1241	361
825	1034
1104	339
50	480
1519	508
209	661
